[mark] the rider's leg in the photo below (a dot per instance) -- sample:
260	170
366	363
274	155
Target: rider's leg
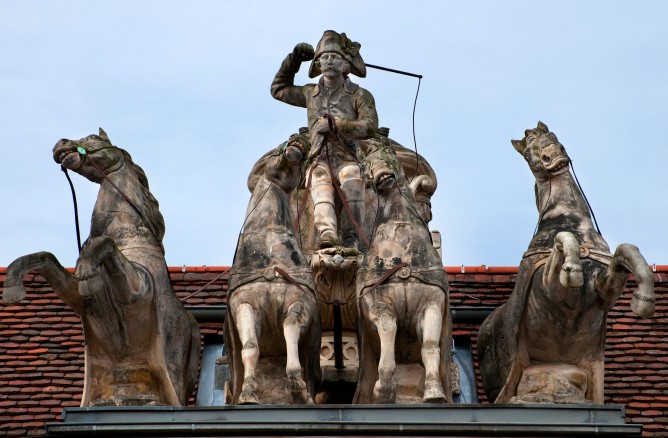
352	186
324	215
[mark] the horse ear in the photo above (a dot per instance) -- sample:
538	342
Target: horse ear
519	145
542	127
104	136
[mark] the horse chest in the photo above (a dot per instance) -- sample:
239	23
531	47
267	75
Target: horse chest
563	332
119	330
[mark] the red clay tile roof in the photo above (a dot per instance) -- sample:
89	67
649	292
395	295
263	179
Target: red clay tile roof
41	346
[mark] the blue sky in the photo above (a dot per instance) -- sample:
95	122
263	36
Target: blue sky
184	87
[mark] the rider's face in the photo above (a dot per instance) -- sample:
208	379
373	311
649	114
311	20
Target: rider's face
331	64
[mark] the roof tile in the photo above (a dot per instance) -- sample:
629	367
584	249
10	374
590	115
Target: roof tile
46	343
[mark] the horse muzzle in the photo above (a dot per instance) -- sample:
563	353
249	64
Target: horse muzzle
65	153
293	153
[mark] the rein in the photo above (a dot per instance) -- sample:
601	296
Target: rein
585	197
205	286
344	201
76	208
241	230
335	182
380	281
291	280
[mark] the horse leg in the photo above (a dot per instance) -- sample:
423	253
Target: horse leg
293	326
611	282
431	323
129	282
250	352
384	321
64	284
563	269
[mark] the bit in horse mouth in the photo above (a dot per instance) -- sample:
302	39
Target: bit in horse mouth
63	154
385	179
68	157
297	144
559	165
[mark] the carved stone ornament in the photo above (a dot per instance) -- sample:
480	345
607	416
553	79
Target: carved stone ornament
546	343
142	347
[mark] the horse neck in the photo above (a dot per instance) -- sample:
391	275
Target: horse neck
111	204
269	207
395	208
396	211
398	221
562	207
268	239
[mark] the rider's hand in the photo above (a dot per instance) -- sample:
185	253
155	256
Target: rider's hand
303	52
322	127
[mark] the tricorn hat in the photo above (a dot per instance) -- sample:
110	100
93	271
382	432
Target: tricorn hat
332	41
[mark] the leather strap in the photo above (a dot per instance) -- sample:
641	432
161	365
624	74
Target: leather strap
385	276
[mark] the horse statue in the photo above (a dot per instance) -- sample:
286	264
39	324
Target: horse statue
272	312
546	343
403	295
142	347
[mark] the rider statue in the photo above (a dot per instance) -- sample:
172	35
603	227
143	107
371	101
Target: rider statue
340	114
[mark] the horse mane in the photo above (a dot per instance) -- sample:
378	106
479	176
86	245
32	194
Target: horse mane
150	209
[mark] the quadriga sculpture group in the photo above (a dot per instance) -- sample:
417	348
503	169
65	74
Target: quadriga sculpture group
355	254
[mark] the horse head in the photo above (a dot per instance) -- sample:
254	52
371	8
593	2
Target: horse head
283	166
73	154
383	168
96	159
541	149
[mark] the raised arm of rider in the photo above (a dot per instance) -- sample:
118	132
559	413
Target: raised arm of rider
283	87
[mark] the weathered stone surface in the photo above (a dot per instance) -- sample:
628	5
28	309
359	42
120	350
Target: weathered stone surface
340	115
548	383
335	275
272	327
567	282
403	294
142	347
336	212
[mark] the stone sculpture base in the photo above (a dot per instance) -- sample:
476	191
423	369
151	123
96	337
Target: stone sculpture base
561	383
271	382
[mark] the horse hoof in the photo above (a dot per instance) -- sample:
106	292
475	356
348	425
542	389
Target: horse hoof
434	394
13	294
384	394
571	275
296	389
248	395
248	398
641	307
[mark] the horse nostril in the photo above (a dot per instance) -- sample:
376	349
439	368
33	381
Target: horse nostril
546	159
